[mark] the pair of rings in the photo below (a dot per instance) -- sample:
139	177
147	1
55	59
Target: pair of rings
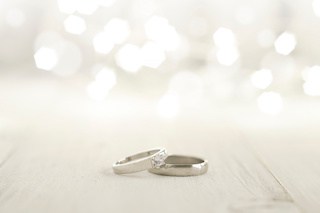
157	161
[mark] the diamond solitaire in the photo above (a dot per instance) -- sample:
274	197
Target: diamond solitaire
158	160
153	158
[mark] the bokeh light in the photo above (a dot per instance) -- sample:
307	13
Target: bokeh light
46	58
160	31
104	81
224	37
270	103
316	7
311	76
227	52
117	30
261	79
192	59
285	43
81	80
87	7
129	58
102	43
75	25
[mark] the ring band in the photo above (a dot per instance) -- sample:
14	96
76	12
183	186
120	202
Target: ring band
153	158
180	165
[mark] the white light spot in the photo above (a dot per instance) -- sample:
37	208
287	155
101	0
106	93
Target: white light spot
155	25
129	58
46	58
53	53
227	56
152	55
86	7
105	80
270	103
266	38
316	7
106	77
227	53
224	37
285	43
74	24
261	79
118	30
160	31
102	43
15	18
311	76
168	106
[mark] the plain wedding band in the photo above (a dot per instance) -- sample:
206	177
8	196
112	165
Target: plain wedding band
153	158
180	165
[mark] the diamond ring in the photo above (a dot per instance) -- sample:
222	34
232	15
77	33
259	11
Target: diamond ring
179	165
153	158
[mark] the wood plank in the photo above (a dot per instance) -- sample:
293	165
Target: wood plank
7	140
6	151
293	157
65	166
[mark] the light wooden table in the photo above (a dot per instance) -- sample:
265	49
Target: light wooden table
57	148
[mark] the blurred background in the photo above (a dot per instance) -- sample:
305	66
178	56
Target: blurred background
244	59
84	83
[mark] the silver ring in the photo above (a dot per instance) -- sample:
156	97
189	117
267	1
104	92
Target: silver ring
180	165
153	158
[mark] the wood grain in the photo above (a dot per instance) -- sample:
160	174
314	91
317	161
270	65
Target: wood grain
68	169
57	149
294	159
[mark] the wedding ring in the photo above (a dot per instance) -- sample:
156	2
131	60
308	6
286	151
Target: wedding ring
179	165
153	158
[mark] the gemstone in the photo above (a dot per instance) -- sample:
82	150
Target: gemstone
158	160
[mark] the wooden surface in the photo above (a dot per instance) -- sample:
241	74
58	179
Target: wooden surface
56	153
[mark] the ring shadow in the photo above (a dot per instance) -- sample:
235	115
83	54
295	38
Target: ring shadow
138	175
